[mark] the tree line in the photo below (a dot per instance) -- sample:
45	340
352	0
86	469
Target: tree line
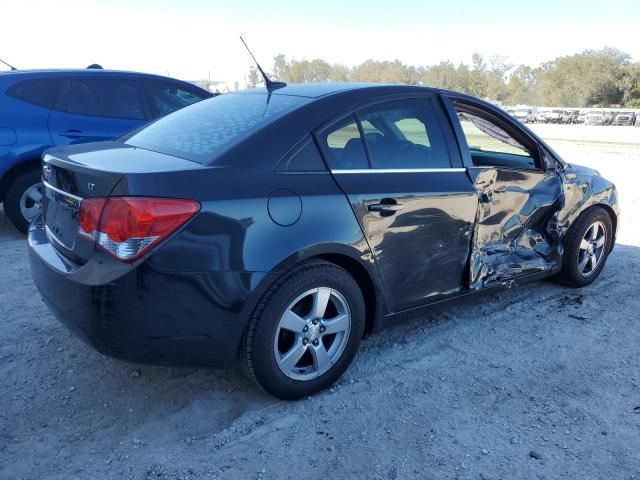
603	77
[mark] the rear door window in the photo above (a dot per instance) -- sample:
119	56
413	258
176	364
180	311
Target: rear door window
40	92
102	97
404	134
167	97
343	146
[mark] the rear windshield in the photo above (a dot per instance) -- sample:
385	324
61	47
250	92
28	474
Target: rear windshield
202	130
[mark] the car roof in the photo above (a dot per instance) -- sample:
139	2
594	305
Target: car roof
53	72
317	90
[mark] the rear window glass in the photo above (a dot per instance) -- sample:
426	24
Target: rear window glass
39	92
202	130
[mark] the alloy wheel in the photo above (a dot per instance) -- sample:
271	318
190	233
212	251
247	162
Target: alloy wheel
592	246
31	202
312	333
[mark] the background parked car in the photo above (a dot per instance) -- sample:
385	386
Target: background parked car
541	117
571	116
596	118
623	118
44	108
553	116
582	117
526	115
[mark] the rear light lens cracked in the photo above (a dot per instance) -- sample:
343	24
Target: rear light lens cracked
128	227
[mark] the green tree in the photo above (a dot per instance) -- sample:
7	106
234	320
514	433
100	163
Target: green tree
585	79
446	75
339	73
522	87
252	78
280	67
593	77
385	72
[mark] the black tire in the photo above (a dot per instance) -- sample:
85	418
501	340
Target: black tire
258	349
571	274
17	187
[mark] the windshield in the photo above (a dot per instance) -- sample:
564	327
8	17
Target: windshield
202	130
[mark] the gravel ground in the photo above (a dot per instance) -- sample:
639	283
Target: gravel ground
538	382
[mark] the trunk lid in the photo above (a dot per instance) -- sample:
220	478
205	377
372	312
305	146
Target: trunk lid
74	173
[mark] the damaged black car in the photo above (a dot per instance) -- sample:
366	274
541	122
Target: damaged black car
282	226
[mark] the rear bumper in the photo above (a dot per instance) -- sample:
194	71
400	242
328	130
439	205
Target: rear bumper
146	316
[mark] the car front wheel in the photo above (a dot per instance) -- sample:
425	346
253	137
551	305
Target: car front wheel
305	331
587	246
23	199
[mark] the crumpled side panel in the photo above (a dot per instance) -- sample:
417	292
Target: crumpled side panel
523	217
510	237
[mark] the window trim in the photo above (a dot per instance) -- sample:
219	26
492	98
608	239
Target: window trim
399	170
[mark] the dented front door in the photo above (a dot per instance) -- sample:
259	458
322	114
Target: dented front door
511	236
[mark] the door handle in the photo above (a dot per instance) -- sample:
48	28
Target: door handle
72	133
386	207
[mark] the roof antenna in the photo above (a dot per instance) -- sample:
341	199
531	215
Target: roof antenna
10	66
271	85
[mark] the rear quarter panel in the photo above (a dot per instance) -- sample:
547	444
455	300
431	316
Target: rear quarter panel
237	245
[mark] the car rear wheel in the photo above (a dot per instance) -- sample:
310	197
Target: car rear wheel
587	246
23	199
305	331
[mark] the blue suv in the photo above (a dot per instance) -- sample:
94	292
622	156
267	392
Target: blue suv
40	109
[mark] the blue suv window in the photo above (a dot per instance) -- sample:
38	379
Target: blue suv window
40	92
167	97
101	97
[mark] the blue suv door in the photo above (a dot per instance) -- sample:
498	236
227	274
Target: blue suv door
90	109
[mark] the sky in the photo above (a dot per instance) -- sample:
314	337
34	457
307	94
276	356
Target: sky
192	39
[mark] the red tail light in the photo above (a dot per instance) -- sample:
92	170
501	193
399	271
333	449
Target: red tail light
128	227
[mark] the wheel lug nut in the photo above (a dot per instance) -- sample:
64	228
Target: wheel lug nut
314	321
323	328
315	342
305	328
305	341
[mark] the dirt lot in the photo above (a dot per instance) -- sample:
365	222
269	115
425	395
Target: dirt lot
539	382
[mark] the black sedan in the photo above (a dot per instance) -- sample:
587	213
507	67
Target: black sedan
284	225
